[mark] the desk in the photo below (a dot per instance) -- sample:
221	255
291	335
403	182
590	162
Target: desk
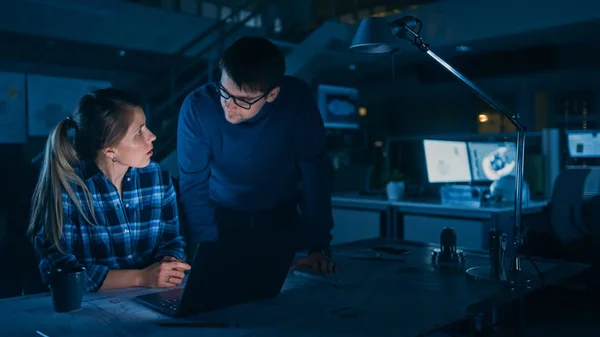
361	217
364	217
375	298
423	221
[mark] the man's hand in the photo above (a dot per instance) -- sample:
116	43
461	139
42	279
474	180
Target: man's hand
319	263
164	274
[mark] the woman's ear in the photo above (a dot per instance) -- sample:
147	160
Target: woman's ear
110	153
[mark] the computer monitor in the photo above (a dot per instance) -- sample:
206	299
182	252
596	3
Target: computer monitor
447	161
492	160
583	144
339	107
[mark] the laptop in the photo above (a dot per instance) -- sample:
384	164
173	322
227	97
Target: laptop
227	273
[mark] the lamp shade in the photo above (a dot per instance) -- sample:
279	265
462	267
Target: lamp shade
374	36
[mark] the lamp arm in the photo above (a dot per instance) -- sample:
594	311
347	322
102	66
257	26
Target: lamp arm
401	27
408	28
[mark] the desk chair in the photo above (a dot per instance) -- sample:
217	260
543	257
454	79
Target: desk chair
566	206
574	222
567	217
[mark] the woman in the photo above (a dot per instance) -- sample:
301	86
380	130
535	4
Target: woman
102	204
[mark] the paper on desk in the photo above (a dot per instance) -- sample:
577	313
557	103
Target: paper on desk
127	293
108	313
112	317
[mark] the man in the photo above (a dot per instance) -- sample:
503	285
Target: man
244	145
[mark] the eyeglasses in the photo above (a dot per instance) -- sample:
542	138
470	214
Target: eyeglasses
242	103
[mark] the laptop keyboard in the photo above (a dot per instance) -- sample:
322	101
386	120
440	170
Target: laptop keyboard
171	304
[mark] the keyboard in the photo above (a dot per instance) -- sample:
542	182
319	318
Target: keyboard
171	304
166	302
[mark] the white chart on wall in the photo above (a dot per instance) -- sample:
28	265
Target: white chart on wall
52	99
12	108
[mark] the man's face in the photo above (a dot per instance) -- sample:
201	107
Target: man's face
240	105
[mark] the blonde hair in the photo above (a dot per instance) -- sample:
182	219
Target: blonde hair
57	173
101	120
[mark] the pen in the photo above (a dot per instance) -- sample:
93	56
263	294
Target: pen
184	324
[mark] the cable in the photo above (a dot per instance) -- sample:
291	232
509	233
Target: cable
530	259
540	275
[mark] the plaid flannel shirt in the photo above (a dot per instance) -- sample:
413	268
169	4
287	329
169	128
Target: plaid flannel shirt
133	231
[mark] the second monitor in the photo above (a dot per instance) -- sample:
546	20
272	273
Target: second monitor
583	144
491	161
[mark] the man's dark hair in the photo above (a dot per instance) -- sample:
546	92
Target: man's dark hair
255	64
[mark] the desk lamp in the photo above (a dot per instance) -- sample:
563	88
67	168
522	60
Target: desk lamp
376	35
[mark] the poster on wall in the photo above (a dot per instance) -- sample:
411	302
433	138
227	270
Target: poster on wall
338	106
12	108
52	99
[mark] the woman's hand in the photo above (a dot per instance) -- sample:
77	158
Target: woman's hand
164	274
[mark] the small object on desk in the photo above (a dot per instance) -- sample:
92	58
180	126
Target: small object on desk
41	333
496	272
67	285
447	251
317	278
192	324
438	257
497	246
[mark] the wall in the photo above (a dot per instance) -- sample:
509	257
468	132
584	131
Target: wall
412	107
119	79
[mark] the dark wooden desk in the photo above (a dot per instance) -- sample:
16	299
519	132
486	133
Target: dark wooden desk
372	298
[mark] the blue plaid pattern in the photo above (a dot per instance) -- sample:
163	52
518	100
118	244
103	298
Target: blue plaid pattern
132	232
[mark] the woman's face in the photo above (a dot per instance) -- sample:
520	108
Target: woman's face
135	149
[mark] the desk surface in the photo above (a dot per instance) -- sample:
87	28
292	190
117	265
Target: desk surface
528	206
374	298
357	200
